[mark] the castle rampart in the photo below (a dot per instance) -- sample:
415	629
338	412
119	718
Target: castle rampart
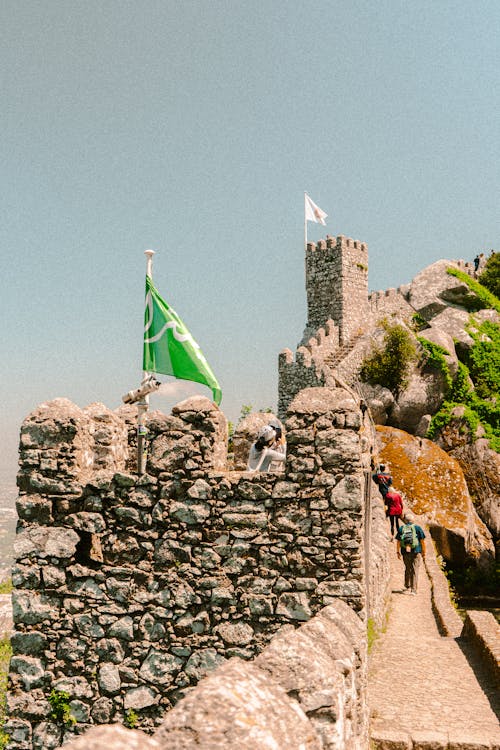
128	590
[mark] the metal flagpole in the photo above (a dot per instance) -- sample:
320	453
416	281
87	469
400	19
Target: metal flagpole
143	404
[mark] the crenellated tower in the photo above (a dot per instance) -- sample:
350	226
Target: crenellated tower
337	286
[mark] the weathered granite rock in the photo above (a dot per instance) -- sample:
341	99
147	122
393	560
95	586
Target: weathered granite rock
433	289
114	737
379	401
434	486
41	541
424	394
481	467
238	706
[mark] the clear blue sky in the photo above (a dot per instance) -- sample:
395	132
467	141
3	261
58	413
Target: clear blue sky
194	128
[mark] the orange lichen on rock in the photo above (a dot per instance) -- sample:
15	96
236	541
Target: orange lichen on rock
434	486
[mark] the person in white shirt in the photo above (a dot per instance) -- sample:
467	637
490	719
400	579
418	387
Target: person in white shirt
263	452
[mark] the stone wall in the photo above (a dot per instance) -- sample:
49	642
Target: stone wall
390	302
307	689
307	369
128	590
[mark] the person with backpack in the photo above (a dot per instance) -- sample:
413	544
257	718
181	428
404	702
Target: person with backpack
412	548
383	479
394	509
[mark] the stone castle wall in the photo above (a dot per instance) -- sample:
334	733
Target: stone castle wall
128	590
340	318
389	303
306	689
307	369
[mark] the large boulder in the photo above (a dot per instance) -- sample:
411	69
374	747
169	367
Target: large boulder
480	465
380	401
433	290
424	394
434	487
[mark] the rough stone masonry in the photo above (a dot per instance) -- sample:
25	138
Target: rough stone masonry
129	590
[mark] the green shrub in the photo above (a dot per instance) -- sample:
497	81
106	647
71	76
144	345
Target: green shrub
131	718
61	712
418	322
389	365
490	277
481	404
485	295
483	359
436	358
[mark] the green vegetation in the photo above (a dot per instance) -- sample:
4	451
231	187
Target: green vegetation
371	632
5	654
490	277
436	358
389	365
487	298
472	581
6	586
418	322
131	719
481	404
61	712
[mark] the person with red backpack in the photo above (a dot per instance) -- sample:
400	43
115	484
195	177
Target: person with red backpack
394	509
383	479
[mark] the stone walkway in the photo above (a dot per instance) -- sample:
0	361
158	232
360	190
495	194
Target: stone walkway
425	690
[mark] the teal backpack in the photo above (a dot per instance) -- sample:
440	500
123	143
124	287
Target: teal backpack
408	537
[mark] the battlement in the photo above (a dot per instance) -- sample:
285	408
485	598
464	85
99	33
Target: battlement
338	242
307	366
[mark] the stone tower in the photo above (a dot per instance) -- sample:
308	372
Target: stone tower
337	286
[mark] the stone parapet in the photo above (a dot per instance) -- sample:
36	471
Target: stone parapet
448	620
129	590
306	689
484	632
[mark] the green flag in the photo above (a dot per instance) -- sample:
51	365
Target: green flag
169	348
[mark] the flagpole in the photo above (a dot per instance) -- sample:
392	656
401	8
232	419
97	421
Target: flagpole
143	404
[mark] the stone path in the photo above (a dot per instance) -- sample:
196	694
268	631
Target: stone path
423	691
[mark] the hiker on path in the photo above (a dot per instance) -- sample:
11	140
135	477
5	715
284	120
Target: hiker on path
412	547
477	260
394	509
262	452
383	479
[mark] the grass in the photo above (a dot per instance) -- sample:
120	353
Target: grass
5	654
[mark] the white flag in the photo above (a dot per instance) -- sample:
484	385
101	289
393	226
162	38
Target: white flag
314	212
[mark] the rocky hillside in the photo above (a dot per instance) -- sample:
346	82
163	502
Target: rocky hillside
450	395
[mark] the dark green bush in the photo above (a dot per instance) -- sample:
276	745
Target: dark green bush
389	365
